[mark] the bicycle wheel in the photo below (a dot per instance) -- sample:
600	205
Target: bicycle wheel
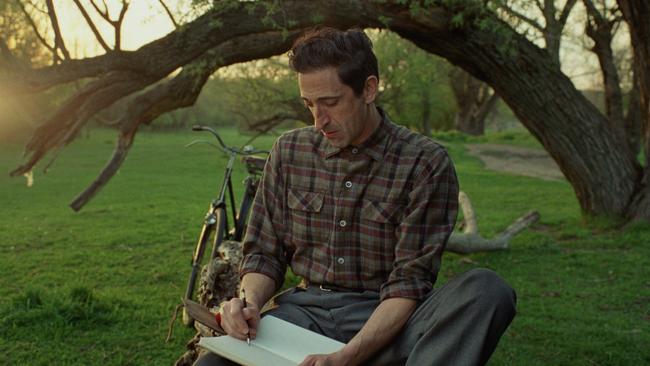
219	228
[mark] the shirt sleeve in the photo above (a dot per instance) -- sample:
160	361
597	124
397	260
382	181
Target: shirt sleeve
428	221
263	249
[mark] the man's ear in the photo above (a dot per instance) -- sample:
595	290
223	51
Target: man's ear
370	89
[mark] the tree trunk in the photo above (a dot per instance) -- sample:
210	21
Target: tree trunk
474	101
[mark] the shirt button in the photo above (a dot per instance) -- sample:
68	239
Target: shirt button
342	223
355	150
348	184
340	260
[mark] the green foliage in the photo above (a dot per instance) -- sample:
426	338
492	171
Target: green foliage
386	21
18	35
317	18
414	86
244	94
478	15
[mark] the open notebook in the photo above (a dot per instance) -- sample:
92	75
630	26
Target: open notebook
278	343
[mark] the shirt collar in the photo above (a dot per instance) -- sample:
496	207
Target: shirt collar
374	146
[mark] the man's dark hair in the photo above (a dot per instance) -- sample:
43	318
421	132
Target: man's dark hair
349	51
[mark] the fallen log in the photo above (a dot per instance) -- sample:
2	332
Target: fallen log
471	241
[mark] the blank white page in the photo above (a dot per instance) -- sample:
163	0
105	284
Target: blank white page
278	343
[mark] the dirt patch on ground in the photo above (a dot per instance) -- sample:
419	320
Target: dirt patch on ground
517	160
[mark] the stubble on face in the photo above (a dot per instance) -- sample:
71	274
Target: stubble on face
340	115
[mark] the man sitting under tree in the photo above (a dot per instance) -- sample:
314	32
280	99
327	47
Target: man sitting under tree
361	209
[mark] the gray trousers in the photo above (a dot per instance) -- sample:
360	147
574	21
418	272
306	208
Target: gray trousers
459	323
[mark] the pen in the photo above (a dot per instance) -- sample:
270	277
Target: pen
248	335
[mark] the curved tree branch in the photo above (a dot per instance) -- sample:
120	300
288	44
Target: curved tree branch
181	91
163	57
207	31
61	128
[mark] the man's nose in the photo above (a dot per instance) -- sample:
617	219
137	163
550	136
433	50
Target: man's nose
321	118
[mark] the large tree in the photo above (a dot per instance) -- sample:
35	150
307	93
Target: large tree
589	150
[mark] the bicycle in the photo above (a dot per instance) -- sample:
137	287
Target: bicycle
216	223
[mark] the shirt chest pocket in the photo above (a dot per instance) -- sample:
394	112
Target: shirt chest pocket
307	217
379	222
381	212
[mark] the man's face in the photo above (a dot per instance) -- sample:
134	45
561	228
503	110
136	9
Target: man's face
340	115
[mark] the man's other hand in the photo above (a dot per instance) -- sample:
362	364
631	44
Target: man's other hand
237	321
332	359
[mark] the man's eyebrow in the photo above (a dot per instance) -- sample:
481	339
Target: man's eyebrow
322	98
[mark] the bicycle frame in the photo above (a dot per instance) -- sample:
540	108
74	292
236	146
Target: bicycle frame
216	219
209	225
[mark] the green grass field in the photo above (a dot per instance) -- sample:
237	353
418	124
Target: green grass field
98	287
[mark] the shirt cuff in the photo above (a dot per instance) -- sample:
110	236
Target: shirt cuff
256	263
407	288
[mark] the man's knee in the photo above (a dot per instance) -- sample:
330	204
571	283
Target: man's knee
210	359
488	289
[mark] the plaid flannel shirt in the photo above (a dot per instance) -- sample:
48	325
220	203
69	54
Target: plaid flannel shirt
370	217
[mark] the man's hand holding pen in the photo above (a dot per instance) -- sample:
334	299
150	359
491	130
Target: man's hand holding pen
240	318
248	334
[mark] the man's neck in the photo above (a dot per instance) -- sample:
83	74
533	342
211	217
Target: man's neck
373	120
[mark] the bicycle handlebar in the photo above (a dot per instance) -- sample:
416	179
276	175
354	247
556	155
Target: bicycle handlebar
246	150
